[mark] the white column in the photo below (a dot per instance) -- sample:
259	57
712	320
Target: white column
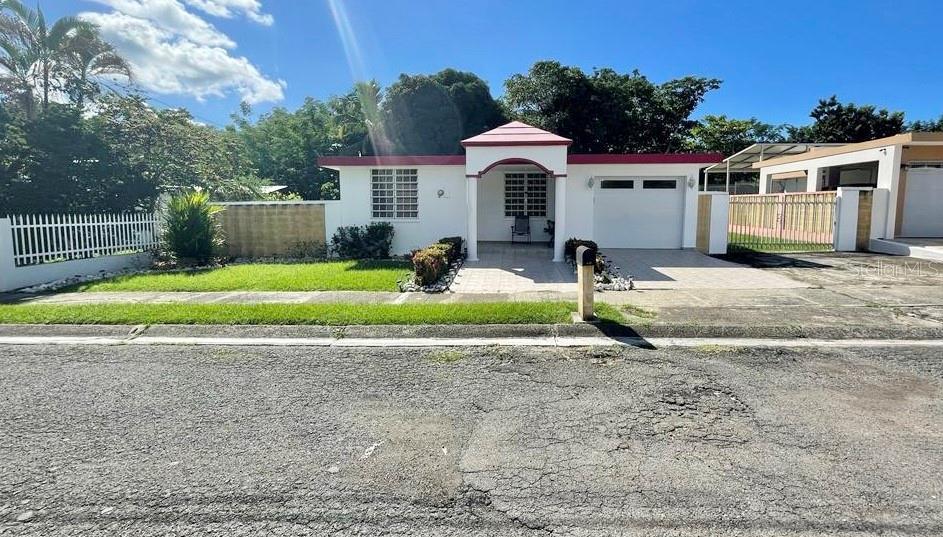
812	180
845	232
7	265
471	207
559	217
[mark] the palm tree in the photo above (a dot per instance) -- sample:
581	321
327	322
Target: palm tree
37	56
89	57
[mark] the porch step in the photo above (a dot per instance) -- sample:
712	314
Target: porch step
884	246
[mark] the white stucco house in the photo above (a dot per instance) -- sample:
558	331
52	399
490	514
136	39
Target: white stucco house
905	173
619	201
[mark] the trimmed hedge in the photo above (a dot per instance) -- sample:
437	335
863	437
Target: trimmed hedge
430	263
372	241
456	252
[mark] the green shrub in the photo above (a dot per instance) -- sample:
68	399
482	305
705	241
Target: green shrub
191	231
456	252
430	263
570	246
372	241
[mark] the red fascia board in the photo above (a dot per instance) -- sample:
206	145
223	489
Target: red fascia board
459	160
646	158
394	160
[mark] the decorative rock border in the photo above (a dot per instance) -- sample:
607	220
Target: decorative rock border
56	285
611	278
440	286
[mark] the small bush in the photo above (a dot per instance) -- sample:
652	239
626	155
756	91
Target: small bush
191	231
570	246
430	263
372	241
456	252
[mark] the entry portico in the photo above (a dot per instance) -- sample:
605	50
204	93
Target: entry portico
516	144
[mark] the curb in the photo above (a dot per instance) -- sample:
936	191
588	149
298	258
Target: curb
444	332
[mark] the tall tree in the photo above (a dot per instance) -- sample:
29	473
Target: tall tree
607	112
727	136
431	114
419	117
41	59
88	58
926	125
835	122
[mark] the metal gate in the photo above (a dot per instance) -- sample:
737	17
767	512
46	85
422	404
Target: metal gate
788	222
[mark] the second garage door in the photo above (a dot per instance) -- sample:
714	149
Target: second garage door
923	197
638	212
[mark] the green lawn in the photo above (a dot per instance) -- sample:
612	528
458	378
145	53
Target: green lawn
321	276
740	242
300	314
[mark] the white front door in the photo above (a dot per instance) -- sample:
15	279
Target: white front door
923	203
638	212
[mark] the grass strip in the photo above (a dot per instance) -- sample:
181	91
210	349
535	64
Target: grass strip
298	314
362	275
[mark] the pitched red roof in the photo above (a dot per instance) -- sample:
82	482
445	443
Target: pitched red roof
516	133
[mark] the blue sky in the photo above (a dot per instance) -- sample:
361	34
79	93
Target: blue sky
775	59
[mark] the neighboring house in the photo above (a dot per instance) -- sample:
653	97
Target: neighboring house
620	201
906	172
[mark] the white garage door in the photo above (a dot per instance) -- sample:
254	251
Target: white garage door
923	199
639	212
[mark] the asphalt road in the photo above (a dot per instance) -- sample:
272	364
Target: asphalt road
305	441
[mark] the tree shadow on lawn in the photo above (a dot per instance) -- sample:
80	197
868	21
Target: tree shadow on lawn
368	265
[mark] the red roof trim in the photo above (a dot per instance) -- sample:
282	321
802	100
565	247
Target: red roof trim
395	160
646	158
514	143
459	160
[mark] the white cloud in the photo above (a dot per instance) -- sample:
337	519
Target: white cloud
174	51
252	9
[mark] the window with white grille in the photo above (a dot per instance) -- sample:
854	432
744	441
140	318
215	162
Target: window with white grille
525	194
395	193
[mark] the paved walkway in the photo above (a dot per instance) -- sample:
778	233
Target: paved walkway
513	268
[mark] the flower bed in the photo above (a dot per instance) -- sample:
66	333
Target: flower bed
608	277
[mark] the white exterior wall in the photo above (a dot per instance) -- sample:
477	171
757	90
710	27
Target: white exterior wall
888	176
438	216
552	157
580	196
447	216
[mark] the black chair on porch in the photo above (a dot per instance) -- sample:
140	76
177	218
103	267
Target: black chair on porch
521	228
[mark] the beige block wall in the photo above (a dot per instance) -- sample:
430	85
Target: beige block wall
865	204
702	241
271	229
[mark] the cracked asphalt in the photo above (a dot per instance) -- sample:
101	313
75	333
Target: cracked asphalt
505	441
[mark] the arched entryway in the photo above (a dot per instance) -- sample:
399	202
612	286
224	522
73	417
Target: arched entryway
516	144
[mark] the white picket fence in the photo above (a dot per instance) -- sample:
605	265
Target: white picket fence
50	238
45	247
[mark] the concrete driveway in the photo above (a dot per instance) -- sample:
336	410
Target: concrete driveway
527	268
690	269
239	441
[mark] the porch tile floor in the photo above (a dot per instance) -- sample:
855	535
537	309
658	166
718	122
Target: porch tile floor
514	268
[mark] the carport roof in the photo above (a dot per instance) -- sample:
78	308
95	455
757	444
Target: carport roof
742	161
